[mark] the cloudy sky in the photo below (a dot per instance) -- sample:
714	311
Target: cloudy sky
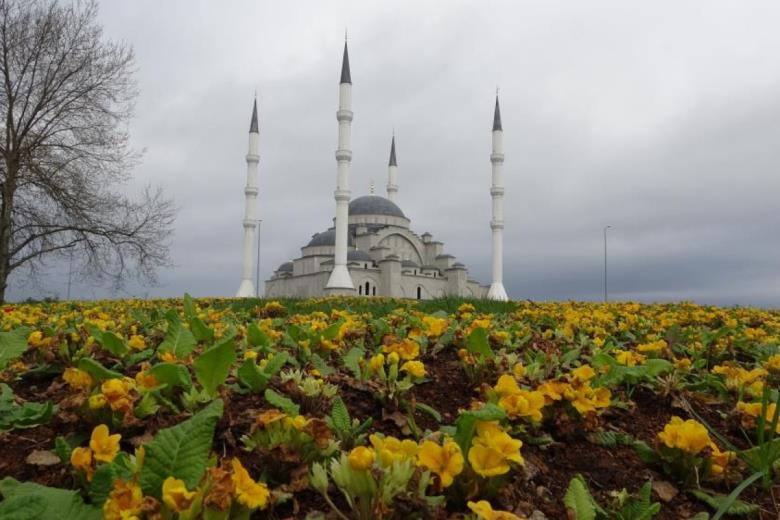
661	119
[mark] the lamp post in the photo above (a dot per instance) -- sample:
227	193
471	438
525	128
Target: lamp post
606	295
257	268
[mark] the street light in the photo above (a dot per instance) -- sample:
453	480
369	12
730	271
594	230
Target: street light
257	268
606	297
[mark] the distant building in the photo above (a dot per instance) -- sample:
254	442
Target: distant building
371	250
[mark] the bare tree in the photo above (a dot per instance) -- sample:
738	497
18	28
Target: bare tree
66	98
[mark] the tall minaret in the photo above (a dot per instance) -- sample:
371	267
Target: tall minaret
247	289
340	282
392	173
497	291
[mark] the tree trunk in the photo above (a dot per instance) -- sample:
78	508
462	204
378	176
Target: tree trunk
6	205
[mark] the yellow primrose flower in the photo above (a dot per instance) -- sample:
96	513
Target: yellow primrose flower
77	379
414	368
506	385
136	342
97	401
389	449
81	459
583	373
35	338
523	404
376	363
434	327
250	354
628	358
653	346
689	436
485	511
519	370
554	390
753	411
116	392
393	358
361	458
682	364
124	502
104	446
407	349
773	364
492	449
146	380
445	461
176	496
253	495
586	399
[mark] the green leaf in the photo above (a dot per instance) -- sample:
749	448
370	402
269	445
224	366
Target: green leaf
578	501
103	481
352	359
283	403
59	504
12	345
340	415
63	449
171	375
322	367
178	340
109	341
96	370
477	343
189	307
730	505
430	410
181	451
257	337
276	363
213	366
249	375
200	330
22	508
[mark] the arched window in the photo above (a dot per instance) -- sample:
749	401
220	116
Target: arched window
373	291
367	292
360	290
419	293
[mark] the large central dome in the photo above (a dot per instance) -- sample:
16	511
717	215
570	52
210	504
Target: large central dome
374	205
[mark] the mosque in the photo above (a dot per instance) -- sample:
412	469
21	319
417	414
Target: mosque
371	250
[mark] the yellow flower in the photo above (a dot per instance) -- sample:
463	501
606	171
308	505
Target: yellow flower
176	496
104	446
682	364
81	459
434	327
753	411
583	373
407	349
35	338
586	399
485	511
77	379
414	368
136	342
654	346
124	502
389	449
250	354
445	461
97	401
523	404
361	458
628	358
492	449
554	390
146	380
253	495
393	358
506	385
518	370
376	363
773	364
689	436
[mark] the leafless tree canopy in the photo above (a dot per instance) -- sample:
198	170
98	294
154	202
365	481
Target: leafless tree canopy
65	101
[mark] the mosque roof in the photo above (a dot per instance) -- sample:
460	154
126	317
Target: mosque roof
374	205
326	238
286	267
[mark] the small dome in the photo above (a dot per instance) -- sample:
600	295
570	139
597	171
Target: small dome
326	238
357	255
374	205
286	267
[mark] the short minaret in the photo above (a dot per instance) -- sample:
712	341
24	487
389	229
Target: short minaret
247	288
497	291
392	173
340	282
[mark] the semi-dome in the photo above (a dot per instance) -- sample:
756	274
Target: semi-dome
374	205
286	267
326	238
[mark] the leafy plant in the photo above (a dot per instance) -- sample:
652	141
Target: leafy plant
12	345
25	415
31	501
350	432
581	505
213	366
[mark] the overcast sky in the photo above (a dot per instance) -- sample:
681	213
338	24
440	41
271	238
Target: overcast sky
661	119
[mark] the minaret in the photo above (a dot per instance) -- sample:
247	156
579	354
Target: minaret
392	173
497	291
340	282
247	288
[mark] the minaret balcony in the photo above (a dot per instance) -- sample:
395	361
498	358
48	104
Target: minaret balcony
497	191
344	115
343	155
496	157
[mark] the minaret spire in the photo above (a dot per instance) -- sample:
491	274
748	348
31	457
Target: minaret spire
340	281
392	172
497	291
247	288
